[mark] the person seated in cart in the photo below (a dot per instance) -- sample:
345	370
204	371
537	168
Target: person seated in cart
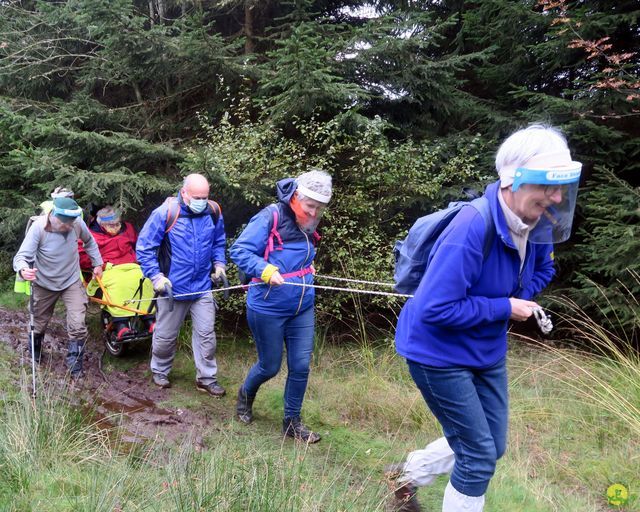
116	239
121	282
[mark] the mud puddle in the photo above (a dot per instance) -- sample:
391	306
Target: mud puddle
112	398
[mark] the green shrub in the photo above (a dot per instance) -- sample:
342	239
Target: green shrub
380	188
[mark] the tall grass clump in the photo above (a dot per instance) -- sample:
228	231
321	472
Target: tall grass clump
612	379
241	474
38	433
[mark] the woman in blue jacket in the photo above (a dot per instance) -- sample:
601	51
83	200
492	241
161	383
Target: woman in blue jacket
453	332
276	250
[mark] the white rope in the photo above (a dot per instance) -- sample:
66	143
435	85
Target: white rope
353	290
544	321
359	281
245	286
164	297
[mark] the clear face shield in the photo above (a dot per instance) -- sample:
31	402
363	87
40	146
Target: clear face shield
549	199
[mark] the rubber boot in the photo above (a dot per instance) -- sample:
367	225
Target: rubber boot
37	346
244	407
455	501
74	357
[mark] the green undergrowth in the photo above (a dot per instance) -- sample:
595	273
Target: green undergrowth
565	446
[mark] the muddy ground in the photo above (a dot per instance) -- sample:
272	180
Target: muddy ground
113	397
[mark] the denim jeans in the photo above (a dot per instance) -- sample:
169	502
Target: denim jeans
271	334
473	408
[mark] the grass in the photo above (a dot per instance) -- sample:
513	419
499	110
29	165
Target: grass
573	432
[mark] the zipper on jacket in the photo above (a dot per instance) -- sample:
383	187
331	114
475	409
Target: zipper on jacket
301	268
527	257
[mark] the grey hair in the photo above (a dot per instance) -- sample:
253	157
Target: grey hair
315	180
107	211
527	143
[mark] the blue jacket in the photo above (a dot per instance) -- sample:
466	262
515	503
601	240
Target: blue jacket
459	314
187	253
297	253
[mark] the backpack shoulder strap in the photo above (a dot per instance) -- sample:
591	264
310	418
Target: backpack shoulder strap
482	205
30	222
274	234
215	211
173	212
78	229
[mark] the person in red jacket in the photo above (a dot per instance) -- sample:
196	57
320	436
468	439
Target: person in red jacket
116	239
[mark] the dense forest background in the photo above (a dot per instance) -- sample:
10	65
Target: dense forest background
403	102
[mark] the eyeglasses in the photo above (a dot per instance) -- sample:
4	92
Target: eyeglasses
111	225
550	190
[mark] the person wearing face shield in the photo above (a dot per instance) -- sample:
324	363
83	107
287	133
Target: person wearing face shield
48	258
278	246
182	247
453	332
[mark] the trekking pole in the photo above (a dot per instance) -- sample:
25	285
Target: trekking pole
169	292
223	284
32	339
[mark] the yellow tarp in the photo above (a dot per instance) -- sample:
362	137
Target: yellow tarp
121	283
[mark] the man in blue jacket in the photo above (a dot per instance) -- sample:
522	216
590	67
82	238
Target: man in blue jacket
180	244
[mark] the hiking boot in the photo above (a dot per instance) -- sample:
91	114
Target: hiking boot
214	389
244	407
293	427
37	347
75	355
404	497
161	381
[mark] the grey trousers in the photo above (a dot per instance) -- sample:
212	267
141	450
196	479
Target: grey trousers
203	337
75	301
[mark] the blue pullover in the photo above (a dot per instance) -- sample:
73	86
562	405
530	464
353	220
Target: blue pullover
187	253
460	312
296	253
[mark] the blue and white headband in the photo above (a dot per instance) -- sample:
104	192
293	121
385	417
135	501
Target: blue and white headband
109	218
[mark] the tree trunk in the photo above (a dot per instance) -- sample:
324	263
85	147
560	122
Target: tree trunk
152	13
161	11
136	89
249	43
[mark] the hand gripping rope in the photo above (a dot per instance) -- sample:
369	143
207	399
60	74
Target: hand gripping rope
544	322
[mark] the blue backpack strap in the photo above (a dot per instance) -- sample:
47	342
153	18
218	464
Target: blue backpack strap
482	205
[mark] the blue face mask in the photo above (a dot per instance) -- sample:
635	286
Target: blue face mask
198	205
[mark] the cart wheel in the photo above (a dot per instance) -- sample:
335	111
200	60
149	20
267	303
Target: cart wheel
113	347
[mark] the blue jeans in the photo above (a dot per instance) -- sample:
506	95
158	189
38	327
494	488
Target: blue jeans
271	334
473	408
